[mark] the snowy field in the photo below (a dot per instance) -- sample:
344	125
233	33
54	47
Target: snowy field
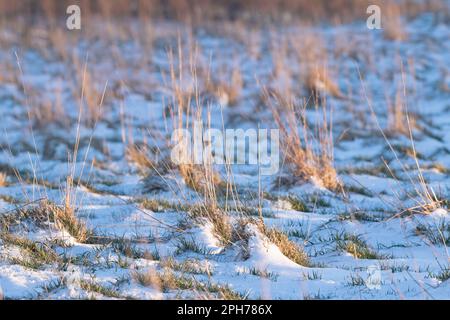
92	207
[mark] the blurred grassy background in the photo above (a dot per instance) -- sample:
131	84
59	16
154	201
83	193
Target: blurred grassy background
198	11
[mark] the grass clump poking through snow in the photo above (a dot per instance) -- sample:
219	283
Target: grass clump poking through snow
161	205
139	156
309	152
287	247
188	266
297	204
65	219
263	273
443	274
354	245
217	217
61	216
318	81
33	255
198	178
92	286
3	181
187	114
167	281
437	234
356	281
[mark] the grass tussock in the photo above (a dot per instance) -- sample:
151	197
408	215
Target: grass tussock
192	266
187	114
92	96
227	88
308	152
140	156
3	179
217	216
199	178
297	204
161	205
34	255
356	246
262	273
62	217
46	110
356	280
443	274
320	81
289	248
437	234
397	114
95	287
65	219
167	281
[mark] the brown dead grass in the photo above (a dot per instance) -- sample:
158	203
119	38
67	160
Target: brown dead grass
167	280
198	12
92	96
3	179
140	156
307	162
392	23
227	88
319	81
65	219
290	249
397	115
198	178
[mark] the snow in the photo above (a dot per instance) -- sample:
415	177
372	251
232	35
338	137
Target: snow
108	199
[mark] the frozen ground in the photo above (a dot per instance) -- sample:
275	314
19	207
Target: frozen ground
359	246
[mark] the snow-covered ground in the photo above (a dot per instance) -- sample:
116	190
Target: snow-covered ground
358	243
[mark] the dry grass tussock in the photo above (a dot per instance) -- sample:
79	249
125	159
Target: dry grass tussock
166	280
188	115
227	86
140	155
397	114
3	179
308	151
187	108
45	110
286	246
62	217
92	96
311	52
319	81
